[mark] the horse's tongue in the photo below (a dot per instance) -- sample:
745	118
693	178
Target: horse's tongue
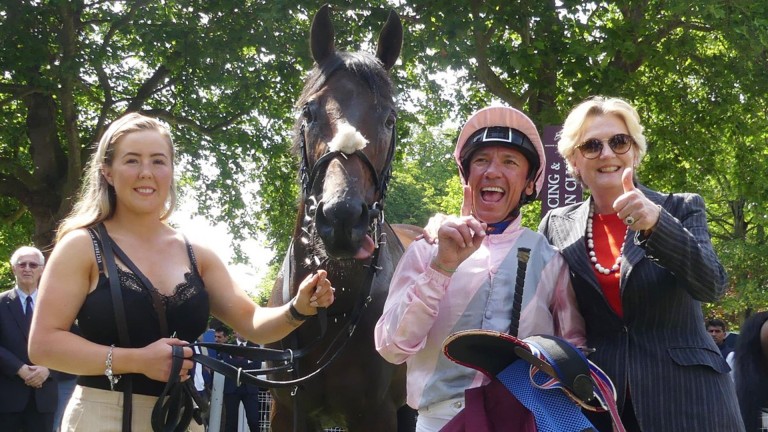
366	249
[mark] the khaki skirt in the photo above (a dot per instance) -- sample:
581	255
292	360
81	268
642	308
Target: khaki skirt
96	410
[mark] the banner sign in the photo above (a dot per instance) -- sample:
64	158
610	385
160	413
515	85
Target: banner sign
560	189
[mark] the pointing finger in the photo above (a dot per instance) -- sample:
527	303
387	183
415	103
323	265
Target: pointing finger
466	204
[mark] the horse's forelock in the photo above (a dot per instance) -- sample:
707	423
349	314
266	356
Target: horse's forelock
365	66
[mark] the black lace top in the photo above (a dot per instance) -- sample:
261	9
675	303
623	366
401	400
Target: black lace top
187	311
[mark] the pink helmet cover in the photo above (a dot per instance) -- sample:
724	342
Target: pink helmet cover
508	117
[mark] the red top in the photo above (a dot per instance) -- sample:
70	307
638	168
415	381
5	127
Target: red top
608	232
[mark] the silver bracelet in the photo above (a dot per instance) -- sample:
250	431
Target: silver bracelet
113	379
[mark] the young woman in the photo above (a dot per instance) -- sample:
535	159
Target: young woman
130	189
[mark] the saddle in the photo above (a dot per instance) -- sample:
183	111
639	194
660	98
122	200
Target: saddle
548	363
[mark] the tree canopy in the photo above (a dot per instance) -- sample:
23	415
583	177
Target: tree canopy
224	76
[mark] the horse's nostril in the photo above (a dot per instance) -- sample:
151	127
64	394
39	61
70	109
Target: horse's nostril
342	226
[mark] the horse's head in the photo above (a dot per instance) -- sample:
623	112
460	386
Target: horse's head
346	138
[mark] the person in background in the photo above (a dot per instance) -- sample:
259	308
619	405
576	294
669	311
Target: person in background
28	391
641	263
128	194
209	336
751	371
730	339
221	336
469	278
247	394
717	329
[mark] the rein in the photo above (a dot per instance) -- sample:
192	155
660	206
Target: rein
309	176
285	360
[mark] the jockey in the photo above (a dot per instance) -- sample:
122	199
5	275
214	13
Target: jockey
483	271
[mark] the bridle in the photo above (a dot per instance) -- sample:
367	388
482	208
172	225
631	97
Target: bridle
309	176
285	360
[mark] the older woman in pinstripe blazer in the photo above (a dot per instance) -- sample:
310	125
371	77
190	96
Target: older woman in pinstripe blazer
641	263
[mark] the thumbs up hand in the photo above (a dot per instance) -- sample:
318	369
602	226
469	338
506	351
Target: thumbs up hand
627	180
634	208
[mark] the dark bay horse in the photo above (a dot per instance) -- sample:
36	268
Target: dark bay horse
345	138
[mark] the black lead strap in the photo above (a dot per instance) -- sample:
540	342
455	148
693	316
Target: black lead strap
174	408
120	320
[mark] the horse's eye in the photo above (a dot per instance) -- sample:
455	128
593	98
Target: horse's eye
390	120
307	114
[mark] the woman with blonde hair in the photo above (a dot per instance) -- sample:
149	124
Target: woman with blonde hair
641	263
167	285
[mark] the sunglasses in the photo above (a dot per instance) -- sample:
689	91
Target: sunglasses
30	265
619	144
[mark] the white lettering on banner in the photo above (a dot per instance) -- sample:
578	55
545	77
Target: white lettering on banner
570	184
553	195
561	189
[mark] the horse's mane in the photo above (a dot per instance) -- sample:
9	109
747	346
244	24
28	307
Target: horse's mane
751	371
365	66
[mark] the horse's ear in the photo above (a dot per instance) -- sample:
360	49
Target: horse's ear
321	35
390	41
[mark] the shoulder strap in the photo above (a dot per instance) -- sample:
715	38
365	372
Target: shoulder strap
522	264
96	249
192	257
114	285
120	320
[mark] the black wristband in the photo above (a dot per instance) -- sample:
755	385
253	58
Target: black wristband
296	314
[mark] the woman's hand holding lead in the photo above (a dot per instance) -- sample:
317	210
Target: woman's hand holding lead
157	359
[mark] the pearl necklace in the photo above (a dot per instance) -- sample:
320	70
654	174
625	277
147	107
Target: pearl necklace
591	246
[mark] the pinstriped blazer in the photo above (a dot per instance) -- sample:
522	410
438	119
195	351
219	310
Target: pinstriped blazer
660	350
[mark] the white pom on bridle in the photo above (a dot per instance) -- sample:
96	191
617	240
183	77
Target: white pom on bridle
347	140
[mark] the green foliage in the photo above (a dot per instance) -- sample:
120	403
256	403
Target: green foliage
225	76
264	287
697	72
425	180
744	262
15	231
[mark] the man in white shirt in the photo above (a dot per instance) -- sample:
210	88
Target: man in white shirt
28	393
